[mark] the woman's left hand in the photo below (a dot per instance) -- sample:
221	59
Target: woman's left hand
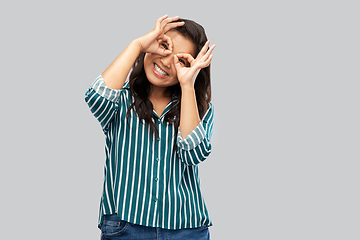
187	75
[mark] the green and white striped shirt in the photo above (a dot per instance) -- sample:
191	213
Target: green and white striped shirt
145	181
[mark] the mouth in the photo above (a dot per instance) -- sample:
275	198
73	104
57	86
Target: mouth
159	72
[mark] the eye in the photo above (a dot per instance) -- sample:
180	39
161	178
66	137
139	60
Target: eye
164	46
182	61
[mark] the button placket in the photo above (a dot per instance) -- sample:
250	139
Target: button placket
156	162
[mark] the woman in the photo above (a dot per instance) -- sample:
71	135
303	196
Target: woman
158	127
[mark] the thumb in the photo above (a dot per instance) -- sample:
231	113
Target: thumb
177	63
162	52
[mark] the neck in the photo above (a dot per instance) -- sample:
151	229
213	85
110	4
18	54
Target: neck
158	92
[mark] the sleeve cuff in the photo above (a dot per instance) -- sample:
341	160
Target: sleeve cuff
193	139
100	88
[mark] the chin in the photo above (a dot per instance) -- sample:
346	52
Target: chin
162	84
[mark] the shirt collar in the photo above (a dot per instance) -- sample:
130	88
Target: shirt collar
168	107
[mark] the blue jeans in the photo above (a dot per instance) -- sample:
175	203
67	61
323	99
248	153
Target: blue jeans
114	229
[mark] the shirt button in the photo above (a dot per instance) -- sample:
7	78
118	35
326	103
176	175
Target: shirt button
157	159
156	199
158	139
156	179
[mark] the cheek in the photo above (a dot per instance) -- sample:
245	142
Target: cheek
147	63
146	59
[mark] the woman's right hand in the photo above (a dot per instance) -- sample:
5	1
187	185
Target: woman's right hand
152	42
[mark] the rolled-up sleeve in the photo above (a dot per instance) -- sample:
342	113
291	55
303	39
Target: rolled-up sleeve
102	101
196	147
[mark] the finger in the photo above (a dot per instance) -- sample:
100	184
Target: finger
168	40
208	53
161	19
177	63
204	49
206	63
165	21
176	59
171	19
160	49
170	26
162	52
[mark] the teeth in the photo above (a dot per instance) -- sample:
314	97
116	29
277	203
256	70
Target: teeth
159	70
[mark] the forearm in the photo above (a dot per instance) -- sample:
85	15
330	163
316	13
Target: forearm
115	75
189	115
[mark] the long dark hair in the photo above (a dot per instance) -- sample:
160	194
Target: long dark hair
140	85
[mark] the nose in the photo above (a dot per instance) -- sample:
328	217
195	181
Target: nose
167	60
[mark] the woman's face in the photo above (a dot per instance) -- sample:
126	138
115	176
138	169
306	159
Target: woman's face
160	70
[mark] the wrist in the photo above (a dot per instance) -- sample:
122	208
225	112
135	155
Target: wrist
189	87
137	43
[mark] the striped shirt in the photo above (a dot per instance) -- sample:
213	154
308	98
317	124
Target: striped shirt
145	181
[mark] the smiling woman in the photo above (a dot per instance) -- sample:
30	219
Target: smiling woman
158	128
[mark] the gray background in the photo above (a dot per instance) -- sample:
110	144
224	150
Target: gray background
285	75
